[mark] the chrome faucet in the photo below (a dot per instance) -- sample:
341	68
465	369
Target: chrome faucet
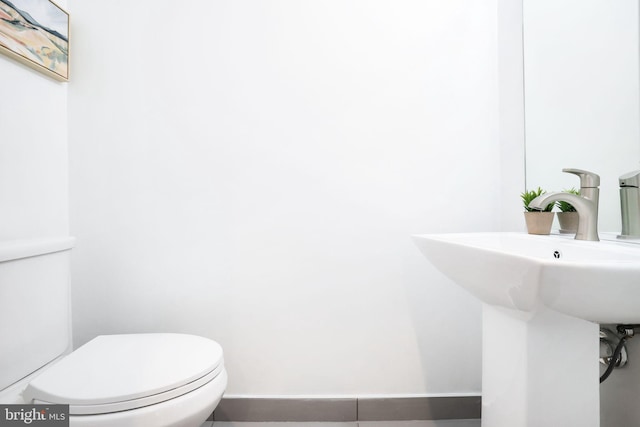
630	205
586	203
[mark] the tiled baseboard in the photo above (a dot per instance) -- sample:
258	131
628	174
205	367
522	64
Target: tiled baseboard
348	409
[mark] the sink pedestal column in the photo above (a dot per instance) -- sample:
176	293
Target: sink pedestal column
539	369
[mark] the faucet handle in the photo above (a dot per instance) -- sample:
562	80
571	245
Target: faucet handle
587	179
631	179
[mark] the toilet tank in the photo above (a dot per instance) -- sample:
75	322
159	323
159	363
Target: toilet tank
35	304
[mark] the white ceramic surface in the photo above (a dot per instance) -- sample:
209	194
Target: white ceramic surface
542	295
594	281
120	372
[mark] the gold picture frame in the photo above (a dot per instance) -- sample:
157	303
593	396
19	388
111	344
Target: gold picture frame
36	33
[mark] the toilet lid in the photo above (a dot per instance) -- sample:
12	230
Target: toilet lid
118	372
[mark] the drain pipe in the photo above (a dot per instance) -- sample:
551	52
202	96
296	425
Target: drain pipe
618	358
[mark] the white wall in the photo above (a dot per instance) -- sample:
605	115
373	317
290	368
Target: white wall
252	172
33	153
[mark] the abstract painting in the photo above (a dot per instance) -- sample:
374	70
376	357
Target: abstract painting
36	32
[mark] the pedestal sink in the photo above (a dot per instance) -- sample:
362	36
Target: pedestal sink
543	299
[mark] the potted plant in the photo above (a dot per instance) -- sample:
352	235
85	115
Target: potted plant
538	222
568	217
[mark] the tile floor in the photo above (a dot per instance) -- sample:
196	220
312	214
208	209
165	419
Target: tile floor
438	423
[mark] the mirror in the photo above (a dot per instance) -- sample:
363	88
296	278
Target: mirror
582	95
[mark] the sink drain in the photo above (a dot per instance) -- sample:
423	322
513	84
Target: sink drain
608	342
610	357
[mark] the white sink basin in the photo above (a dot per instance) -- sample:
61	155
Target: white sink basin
594	281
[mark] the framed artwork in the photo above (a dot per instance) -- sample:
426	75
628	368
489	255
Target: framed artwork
36	33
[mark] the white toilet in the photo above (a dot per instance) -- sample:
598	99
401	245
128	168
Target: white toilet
150	380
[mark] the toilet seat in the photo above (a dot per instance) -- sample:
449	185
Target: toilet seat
115	373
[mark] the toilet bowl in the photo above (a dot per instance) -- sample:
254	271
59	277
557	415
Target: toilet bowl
130	380
137	379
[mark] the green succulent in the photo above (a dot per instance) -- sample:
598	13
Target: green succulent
528	196
568	207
